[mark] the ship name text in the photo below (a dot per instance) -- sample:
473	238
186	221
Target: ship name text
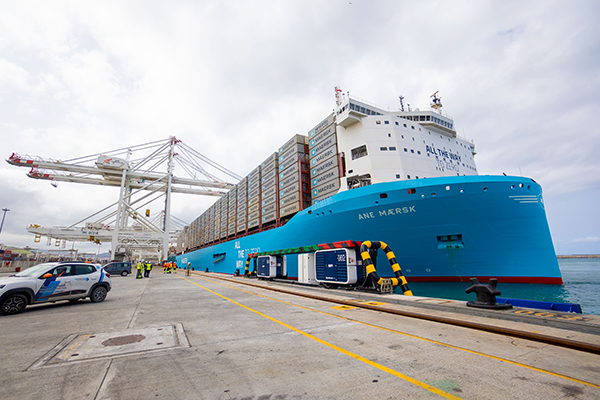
386	213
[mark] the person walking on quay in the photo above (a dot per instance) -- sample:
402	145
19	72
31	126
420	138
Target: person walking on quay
165	267
140	268
147	269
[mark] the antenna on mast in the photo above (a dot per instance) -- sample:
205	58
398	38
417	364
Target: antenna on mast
401	103
436	102
338	96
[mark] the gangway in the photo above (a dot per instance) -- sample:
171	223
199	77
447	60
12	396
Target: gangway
145	174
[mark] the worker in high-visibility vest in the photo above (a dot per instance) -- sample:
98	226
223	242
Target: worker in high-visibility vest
169	267
140	269
175	266
147	269
164	267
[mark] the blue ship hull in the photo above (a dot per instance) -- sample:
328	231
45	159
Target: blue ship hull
440	229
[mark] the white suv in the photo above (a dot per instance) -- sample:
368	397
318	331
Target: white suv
52	282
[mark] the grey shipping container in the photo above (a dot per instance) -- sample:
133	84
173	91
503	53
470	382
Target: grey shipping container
319	158
289	189
325	177
291	152
294	140
269	190
321	125
254	172
269	217
291	199
289	181
269	208
253	223
287	173
292	161
321	137
326	188
253	208
269	176
269	199
325	144
292	208
326	165
270	160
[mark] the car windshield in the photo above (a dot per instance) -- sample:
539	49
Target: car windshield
34	271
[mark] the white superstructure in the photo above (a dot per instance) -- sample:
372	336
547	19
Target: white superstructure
381	146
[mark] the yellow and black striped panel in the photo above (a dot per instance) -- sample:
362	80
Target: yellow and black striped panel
368	263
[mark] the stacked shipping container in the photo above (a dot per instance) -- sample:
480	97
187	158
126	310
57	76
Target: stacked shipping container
269	182
274	191
324	164
293	176
254	198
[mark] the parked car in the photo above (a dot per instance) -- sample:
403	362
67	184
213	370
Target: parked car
118	267
51	282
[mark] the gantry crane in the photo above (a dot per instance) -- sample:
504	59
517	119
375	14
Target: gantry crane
145	173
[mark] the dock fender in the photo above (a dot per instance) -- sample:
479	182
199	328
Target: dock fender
371	272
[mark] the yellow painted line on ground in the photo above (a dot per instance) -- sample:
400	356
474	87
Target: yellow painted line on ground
419	337
341	350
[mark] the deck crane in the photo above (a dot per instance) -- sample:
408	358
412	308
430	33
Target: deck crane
144	173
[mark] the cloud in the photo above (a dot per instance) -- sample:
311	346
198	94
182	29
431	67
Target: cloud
235	80
589	239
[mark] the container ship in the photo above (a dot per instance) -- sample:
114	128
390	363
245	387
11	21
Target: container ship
403	178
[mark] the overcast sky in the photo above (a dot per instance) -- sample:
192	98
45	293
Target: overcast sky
236	79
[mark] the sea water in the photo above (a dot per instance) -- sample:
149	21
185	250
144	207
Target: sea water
581	277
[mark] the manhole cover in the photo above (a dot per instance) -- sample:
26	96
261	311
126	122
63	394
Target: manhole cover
77	348
121	340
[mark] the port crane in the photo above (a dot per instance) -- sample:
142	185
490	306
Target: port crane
145	174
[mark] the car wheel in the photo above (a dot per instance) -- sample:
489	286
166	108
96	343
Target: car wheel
98	294
13	304
124	273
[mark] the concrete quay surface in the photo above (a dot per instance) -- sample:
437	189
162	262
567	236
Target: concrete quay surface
205	337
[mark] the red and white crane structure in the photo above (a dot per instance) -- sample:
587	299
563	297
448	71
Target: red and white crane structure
145	174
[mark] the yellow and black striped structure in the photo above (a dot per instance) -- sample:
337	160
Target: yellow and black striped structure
368	264
250	257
